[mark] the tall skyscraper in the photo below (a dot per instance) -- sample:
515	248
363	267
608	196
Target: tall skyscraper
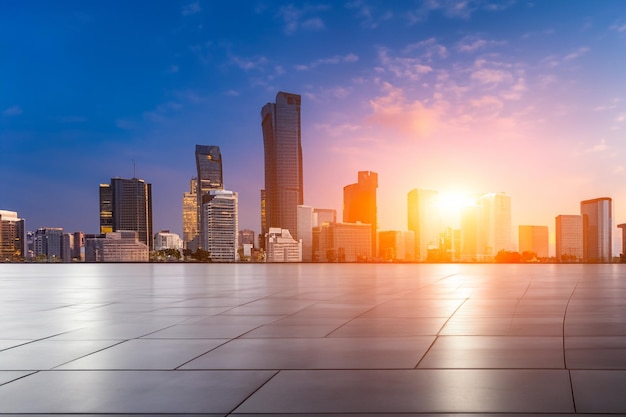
190	216
209	171
597	227
569	237
534	239
494	230
220	215
622	256
423	221
12	236
282	143
359	203
126	205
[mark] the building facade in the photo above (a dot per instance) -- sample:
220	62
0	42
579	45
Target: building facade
305	231
281	246
423	221
48	244
395	245
120	246
12	237
534	239
220	217
209	177
282	142
190	216
359	203
569	237
126	204
597	217
343	242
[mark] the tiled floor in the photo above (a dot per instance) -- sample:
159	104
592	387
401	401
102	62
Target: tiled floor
312	340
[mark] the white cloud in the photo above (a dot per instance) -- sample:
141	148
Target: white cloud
576	54
232	93
491	76
299	18
473	43
457	9
249	63
191	8
369	16
337	59
12	111
429	48
599	147
619	27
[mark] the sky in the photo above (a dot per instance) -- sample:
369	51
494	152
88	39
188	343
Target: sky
471	97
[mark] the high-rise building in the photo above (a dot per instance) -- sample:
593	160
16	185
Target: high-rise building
282	143
246	237
126	204
322	215
534	239
78	246
394	245
209	171
494	225
305	230
423	221
622	256
343	242
569	237
597	217
220	215
12	237
48	242
359	203
190	216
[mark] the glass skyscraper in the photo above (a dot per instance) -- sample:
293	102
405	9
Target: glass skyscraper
126	204
283	163
209	177
597	227
359	203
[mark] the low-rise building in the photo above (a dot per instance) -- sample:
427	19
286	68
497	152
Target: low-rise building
120	246
281	247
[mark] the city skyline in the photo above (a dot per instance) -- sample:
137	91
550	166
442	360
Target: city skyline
484	97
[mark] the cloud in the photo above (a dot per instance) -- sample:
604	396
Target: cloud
12	111
368	15
247	64
394	111
299	18
576	54
429	49
191	8
600	147
232	93
491	76
403	67
619	27
190	96
337	130
337	59
456	9
473	43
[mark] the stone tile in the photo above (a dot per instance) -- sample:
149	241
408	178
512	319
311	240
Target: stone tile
414	391
47	354
390	327
140	354
8	376
337	353
495	352
599	391
176	392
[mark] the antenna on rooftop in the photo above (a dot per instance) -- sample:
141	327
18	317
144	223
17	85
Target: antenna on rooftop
134	174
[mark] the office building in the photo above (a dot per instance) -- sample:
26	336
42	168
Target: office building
12	237
126	204
48	244
246	237
534	239
165	239
220	217
305	231
281	246
597	216
78	246
120	246
190	216
569	238
622	256
209	177
282	144
343	242
359	203
394	245
423	221
321	216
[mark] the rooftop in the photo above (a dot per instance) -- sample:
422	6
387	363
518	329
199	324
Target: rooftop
312	339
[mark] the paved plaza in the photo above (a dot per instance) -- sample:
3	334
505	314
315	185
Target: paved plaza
312	340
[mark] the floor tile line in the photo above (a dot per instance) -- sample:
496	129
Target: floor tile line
202	354
563	328
252	393
23	376
89	354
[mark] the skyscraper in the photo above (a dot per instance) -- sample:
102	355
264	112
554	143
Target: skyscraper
597	227
220	215
12	236
126	205
423	220
283	162
359	203
494	225
569	237
190	216
209	170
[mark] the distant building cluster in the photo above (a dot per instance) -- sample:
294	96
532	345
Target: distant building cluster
294	232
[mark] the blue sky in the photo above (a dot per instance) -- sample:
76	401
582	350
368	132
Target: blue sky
525	97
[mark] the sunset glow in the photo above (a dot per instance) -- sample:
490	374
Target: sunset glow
525	98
